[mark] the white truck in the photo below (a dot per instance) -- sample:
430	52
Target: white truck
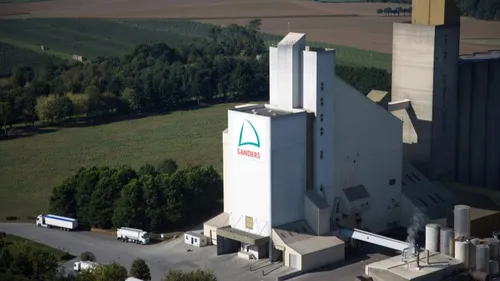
127	234
51	221
133	279
84	265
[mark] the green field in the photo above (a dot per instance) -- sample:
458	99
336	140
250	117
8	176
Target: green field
60	254
102	37
11	56
33	165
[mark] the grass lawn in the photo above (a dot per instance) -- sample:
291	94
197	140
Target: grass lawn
31	166
61	255
104	37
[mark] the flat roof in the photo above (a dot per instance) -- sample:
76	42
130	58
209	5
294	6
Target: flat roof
491	54
408	270
300	237
242	236
264	110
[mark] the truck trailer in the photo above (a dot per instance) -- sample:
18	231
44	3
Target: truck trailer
50	221
84	265
127	234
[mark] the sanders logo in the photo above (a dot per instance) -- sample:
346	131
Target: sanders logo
249	139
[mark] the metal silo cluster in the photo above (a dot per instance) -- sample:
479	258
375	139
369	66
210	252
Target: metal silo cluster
480	256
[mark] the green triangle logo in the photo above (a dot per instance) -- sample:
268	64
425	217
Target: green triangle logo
248	125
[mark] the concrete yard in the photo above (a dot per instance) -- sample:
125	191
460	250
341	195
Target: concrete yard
160	257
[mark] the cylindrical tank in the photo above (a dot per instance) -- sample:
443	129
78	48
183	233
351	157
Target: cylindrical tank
462	252
494	268
482	258
493	244
432	237
447	241
472	251
462	221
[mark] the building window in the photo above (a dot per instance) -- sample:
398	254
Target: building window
322	86
321	101
321	117
321	131
392	181
321	154
445	55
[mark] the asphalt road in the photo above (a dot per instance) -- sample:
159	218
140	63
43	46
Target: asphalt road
160	257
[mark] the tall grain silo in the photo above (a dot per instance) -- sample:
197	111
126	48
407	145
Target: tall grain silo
462	221
482	258
447	241
432	237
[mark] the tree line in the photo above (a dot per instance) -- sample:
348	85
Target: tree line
157	198
23	261
395	11
479	9
232	64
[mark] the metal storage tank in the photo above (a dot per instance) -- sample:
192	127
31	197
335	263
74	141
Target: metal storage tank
472	251
447	241
482	258
493	244
462	252
432	237
462	221
494	268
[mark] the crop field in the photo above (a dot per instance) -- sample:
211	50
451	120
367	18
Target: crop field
102	37
341	24
32	165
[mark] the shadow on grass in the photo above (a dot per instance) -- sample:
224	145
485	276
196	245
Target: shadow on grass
29	130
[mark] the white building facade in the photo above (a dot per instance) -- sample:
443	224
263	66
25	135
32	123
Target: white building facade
319	154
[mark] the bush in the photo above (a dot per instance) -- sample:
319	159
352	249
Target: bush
87	256
3	234
140	269
11	218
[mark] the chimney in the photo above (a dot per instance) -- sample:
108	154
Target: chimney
418	258
427	257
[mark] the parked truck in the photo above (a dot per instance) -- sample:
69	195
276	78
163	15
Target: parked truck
84	265
60	222
127	234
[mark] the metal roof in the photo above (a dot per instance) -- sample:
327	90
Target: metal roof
377	95
264	110
489	55
221	220
291	39
242	236
301	238
318	201
357	192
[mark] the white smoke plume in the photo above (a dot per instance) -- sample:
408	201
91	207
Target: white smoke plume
417	221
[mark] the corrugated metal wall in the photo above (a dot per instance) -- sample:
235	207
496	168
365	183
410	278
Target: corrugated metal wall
478	126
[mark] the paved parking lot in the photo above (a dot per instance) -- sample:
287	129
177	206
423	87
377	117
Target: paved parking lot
160	257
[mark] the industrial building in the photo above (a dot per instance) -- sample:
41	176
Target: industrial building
315	157
447	102
323	166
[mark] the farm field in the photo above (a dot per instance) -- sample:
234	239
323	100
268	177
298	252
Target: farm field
31	166
104	37
346	24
